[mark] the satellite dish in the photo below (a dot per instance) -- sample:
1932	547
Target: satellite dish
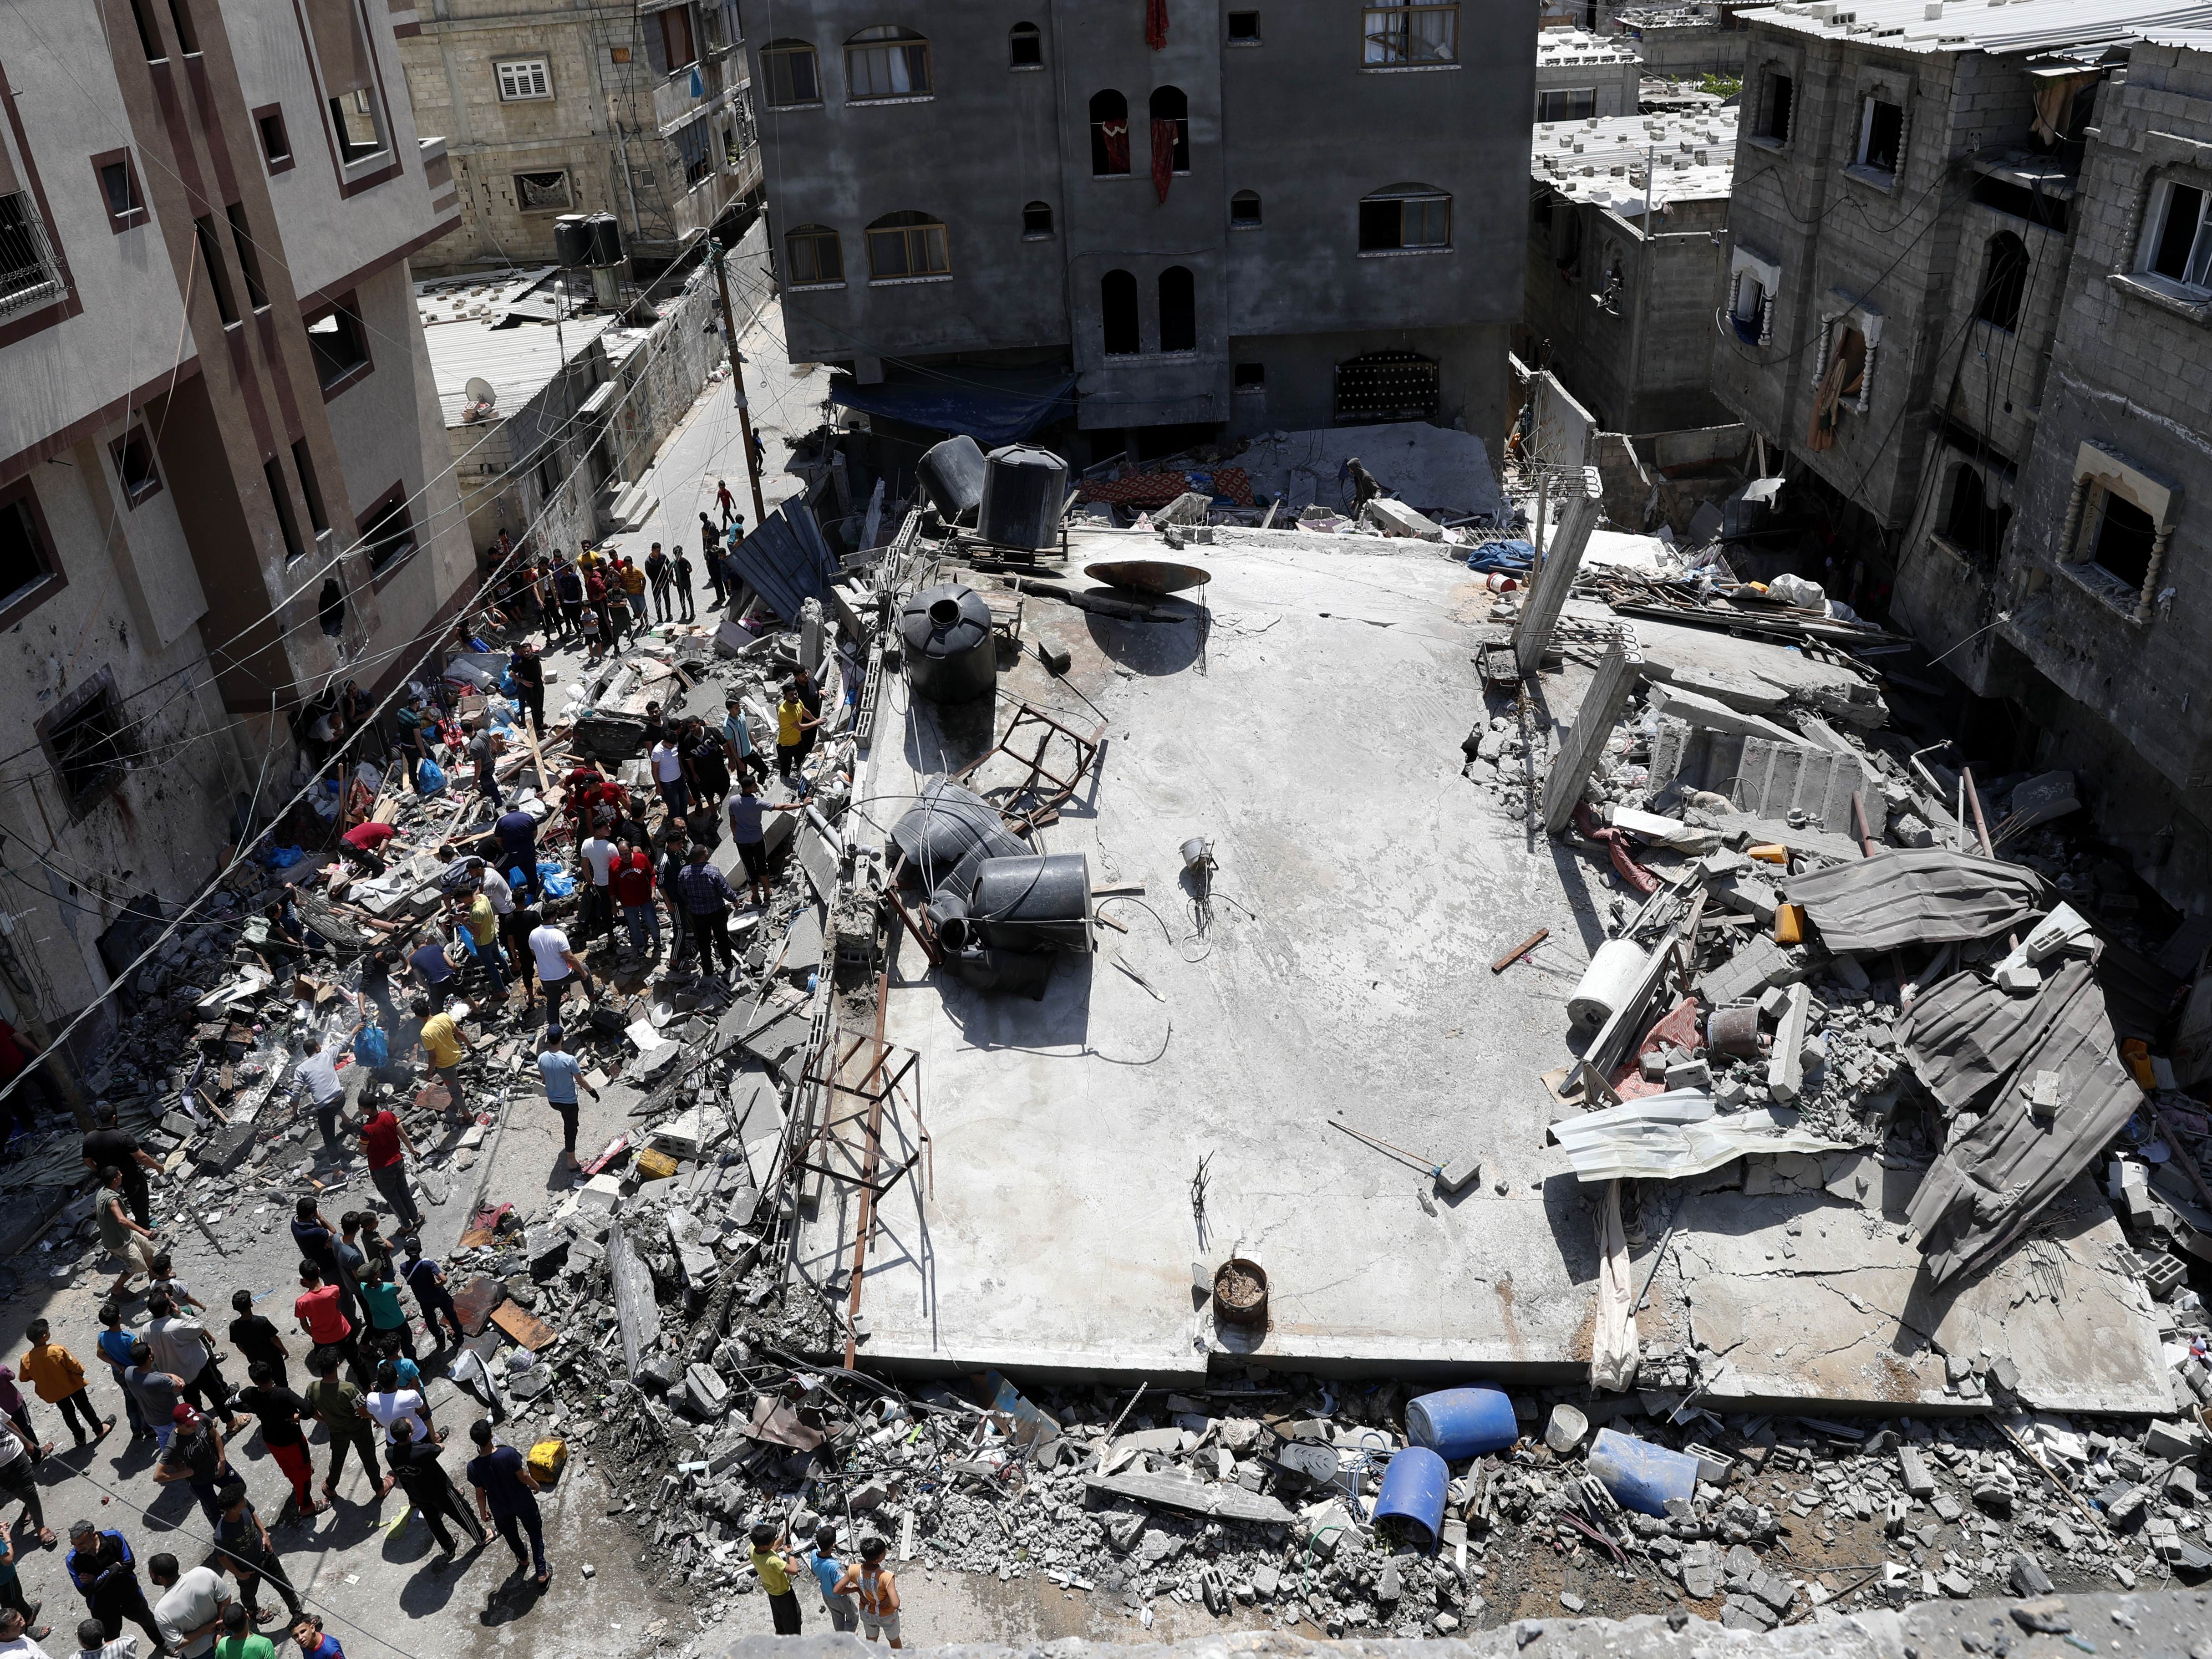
480	391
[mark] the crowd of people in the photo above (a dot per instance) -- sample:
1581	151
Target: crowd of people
362	1381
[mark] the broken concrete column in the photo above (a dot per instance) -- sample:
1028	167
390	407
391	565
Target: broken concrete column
1785	1062
1584	741
1555	577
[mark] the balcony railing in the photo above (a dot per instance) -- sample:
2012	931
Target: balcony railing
28	272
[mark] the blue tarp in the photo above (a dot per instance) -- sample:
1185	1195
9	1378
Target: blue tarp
994	406
786	561
1514	558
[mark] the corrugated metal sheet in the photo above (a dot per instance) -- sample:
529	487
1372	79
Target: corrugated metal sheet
1667	1136
2024	26
1964	1036
1989	1185
786	560
1917	896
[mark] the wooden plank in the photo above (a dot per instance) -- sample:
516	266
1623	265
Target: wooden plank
526	1328
1519	950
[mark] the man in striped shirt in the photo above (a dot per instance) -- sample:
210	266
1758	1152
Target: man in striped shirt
707	900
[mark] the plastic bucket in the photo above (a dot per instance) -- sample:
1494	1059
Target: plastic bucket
1640	1475
1461	1423
1413	1491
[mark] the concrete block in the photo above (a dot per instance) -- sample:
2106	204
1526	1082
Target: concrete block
1396	519
1711	714
1785	1066
602	1192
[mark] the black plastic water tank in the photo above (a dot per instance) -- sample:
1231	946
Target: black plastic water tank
606	240
950	654
571	240
952	473
1037	902
1023	488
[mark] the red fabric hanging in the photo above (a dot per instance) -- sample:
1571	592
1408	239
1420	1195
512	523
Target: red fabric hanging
1163	146
1155	25
1116	135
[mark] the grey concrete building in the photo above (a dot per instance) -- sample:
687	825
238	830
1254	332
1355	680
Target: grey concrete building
639	108
224	486
1580	74
1263	219
1898	228
1621	275
1683	42
2066	584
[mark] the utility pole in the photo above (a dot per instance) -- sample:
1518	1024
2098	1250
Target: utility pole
737	380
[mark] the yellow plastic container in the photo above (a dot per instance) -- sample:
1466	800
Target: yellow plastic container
1768	853
654	1165
1789	923
547	1459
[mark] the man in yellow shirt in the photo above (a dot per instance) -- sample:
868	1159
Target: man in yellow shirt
60	1379
792	723
473	911
442	1040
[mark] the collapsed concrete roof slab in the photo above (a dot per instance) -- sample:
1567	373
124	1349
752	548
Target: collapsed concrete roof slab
1813	1299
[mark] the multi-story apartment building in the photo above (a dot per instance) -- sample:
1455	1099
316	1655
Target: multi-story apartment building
2066	584
223	478
1246	219
639	108
1625	218
1904	181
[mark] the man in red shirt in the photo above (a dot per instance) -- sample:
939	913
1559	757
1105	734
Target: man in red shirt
321	1320
359	846
381	1138
631	875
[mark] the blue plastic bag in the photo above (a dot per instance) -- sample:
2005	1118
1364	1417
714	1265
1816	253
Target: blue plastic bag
556	882
433	777
371	1048
284	858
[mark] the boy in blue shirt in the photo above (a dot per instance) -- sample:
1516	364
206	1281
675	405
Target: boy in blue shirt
844	1614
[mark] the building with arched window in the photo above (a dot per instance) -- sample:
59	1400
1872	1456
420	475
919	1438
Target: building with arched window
1197	232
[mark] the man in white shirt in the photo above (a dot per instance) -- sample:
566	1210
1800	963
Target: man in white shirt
319	1075
190	1611
16	1641
668	775
92	1643
558	967
598	910
390	1403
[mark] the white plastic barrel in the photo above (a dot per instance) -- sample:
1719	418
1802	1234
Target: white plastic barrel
1611	975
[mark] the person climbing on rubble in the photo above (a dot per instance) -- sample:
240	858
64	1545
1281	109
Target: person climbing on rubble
706	901
747	813
112	1144
362	846
793	728
706	770
518	852
668	775
119	1234
621	620
444	1044
741	752
658	576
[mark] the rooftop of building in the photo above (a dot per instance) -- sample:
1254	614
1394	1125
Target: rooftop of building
1934	26
1557	46
499	328
1602	159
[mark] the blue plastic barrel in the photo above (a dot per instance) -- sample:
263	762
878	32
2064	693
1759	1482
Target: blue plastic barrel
1413	1491
1459	1423
1642	1476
